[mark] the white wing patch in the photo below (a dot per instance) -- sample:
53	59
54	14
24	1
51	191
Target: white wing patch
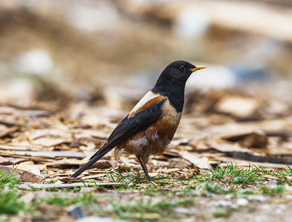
148	96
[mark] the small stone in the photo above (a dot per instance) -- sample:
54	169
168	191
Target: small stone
272	184
229	196
182	210
175	143
184	141
242	202
87	190
75	211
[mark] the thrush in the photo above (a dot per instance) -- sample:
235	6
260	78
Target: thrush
150	126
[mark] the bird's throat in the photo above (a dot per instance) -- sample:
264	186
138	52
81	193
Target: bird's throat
173	91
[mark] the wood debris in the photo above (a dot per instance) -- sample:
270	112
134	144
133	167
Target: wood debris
45	145
62	186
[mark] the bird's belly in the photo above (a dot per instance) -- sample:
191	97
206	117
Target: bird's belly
155	139
139	144
162	131
160	135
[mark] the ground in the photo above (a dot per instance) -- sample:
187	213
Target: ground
211	172
64	88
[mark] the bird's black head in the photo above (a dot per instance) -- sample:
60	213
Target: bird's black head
176	74
172	80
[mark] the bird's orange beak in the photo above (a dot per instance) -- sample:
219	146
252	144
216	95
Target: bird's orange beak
198	68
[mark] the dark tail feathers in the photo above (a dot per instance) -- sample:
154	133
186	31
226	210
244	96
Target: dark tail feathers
92	160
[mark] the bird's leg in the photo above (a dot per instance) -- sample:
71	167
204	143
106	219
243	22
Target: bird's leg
144	167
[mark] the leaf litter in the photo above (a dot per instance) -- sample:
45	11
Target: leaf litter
226	161
46	148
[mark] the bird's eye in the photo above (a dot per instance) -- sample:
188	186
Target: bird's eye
182	68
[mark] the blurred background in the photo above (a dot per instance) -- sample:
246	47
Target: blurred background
109	53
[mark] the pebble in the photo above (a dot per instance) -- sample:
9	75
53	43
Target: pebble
242	202
229	196
75	211
272	184
184	141
87	190
182	210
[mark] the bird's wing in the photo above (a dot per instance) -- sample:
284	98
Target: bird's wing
147	111
138	120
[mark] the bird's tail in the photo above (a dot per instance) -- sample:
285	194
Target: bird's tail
99	154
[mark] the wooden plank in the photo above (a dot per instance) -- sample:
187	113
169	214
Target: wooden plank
29	186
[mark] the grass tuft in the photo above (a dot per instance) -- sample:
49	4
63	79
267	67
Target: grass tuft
143	208
231	175
272	191
10	203
9	181
84	199
223	213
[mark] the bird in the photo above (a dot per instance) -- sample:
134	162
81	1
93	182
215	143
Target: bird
150	126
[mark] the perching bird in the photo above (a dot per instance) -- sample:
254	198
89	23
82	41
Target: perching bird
150	126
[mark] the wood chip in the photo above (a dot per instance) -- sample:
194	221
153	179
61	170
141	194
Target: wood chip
193	158
240	107
228	148
5	161
4	130
62	186
47	141
28	197
257	140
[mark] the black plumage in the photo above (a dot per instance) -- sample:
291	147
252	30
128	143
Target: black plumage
153	120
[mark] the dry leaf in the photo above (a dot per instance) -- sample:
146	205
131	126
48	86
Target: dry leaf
4	130
200	162
240	107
